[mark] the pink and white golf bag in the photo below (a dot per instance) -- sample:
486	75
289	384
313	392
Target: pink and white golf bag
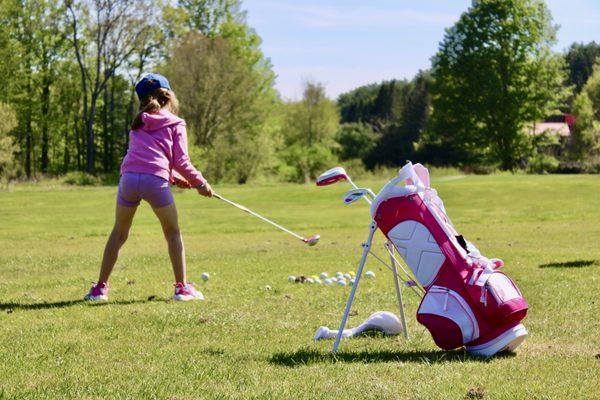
468	301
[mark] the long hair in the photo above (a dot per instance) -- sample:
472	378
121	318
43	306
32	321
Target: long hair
153	102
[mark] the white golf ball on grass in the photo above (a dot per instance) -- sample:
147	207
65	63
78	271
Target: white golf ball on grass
342	282
205	276
291	278
328	281
324	275
370	274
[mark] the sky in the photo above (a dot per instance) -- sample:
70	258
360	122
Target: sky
348	43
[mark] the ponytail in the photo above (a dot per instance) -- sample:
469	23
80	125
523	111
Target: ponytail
152	103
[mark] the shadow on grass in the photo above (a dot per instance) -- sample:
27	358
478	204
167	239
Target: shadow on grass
309	357
63	304
571	264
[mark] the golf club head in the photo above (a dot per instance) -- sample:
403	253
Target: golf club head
313	240
332	176
352	195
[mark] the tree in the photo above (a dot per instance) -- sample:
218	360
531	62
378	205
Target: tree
357	140
493	74
104	35
357	105
586	108
580	59
8	122
309	130
225	85
397	111
35	45
208	16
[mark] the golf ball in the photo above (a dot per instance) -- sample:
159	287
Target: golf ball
318	281
205	276
291	278
347	276
309	280
370	274
352	282
342	282
327	281
339	275
324	275
334	279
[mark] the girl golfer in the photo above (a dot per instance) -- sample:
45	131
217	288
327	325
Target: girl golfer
157	154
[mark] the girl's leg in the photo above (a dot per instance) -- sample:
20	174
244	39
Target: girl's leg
118	236
168	219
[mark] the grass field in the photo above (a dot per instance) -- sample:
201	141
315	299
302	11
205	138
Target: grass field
246	341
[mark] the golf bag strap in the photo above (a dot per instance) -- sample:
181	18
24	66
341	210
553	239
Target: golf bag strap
480	276
407	173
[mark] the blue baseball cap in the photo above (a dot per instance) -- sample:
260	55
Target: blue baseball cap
150	83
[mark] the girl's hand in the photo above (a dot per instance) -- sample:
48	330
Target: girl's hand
180	182
205	190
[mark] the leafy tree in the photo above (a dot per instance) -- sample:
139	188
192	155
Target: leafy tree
580	59
493	74
104	35
357	140
357	105
397	111
35	44
208	16
586	107
225	87
309	130
8	122
404	127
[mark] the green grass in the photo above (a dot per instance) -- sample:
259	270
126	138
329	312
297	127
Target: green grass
246	341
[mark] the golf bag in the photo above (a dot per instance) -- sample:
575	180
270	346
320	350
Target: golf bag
468	301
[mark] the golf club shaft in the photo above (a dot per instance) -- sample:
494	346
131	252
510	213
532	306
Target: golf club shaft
245	209
356	187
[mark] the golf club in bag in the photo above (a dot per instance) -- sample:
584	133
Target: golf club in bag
468	301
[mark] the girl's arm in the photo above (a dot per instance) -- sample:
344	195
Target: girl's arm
181	160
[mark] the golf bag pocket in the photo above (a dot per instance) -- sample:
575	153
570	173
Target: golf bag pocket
448	317
418	249
500	299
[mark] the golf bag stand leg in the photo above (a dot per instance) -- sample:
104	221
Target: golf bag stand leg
366	247
390	248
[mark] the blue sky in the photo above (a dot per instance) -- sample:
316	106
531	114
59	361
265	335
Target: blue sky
348	43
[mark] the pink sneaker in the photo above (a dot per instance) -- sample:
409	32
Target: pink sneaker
98	292
186	292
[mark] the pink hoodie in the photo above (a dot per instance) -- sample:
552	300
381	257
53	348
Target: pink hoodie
159	148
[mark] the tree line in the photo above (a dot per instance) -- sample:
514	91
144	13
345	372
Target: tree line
69	70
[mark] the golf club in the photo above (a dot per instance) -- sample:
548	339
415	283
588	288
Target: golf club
334	175
354	194
311	241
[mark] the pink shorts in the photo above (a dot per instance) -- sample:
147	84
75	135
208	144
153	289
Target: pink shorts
133	187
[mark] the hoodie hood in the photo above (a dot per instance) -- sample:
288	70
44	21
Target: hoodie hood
159	120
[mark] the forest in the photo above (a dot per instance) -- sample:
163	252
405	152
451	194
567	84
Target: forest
69	68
